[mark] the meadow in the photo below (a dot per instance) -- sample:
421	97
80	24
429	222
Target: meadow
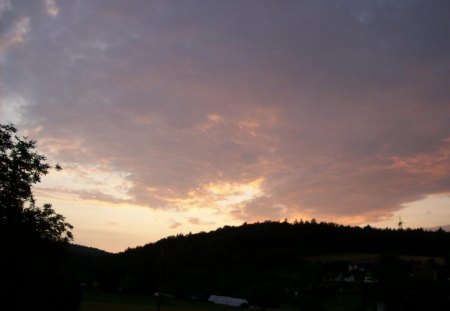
100	301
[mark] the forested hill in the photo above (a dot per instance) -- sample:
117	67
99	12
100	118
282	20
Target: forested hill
231	260
299	239
87	251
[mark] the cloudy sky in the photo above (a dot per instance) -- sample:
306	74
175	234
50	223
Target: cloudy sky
183	116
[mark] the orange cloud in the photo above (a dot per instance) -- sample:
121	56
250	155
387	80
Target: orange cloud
435	164
217	196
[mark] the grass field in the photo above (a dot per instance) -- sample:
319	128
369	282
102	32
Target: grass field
100	301
346	302
97	301
105	306
112	302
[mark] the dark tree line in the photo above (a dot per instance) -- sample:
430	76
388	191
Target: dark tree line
33	238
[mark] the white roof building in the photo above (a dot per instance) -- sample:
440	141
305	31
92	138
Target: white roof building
228	301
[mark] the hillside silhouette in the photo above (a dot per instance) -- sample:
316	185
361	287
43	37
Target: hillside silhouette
273	262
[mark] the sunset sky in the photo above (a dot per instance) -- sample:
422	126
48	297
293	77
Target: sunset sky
184	116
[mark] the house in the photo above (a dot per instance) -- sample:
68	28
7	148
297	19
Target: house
350	279
228	301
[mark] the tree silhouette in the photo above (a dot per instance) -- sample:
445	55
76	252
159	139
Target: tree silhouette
33	239
20	168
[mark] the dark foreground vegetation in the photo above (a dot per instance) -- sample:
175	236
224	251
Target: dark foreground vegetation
34	239
309	265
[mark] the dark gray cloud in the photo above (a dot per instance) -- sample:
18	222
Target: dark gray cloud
343	107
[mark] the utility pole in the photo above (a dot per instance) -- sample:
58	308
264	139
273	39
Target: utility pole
399	232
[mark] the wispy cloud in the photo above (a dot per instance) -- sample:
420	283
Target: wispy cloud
434	164
199	222
175	225
16	35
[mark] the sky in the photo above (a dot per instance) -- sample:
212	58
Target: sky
172	117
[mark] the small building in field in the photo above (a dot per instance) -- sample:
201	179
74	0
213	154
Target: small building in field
228	301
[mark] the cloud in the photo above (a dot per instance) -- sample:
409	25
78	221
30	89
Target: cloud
435	164
220	197
292	109
5	5
175	225
197	221
89	182
16	35
11	109
51	8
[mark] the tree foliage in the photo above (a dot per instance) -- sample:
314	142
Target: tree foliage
21	166
33	239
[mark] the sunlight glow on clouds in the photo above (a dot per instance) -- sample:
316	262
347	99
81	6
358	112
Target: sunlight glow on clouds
89	183
227	194
219	196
